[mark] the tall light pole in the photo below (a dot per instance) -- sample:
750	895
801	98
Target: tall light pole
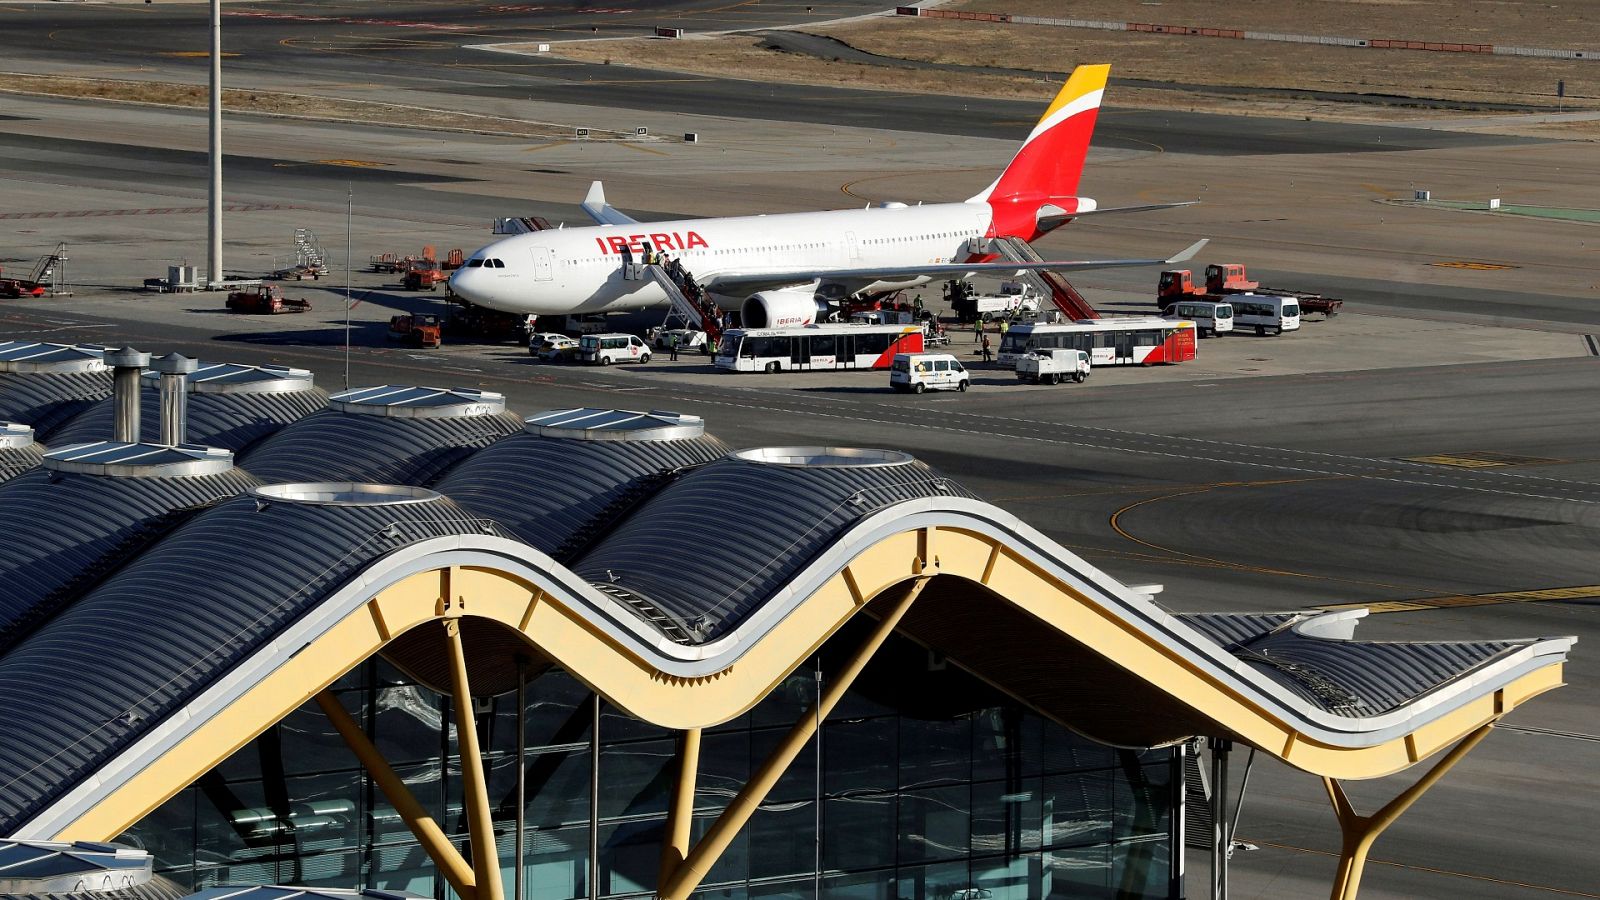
214	213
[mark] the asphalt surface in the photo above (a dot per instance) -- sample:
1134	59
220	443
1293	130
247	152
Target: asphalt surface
1238	494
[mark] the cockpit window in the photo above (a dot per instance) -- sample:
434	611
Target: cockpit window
475	262
495	263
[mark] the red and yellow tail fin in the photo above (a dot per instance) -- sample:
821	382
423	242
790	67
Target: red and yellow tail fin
1048	166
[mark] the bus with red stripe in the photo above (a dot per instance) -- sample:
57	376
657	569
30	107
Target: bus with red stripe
816	347
1143	341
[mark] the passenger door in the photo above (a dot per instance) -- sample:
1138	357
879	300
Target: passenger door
1122	347
542	263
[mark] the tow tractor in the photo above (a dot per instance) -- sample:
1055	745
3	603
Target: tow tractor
417	329
423	275
1229	279
265	300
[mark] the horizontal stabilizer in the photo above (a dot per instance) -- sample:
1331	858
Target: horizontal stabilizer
1052	217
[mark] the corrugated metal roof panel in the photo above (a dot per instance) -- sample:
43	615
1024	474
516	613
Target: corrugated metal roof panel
713	545
1228	629
335	445
64	531
1365	678
232	420
47	401
558	493
28	868
121	659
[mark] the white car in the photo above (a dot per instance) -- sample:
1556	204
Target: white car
557	348
918	372
1053	366
537	339
688	339
605	349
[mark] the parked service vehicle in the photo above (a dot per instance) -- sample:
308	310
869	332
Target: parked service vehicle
605	349
537	339
558	349
1265	313
1053	366
918	372
688	339
1210	318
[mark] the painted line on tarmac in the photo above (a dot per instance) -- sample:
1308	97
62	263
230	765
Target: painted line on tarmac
1456	601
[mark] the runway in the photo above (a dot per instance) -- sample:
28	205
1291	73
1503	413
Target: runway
1247	481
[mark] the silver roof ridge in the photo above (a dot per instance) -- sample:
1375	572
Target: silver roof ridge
408	401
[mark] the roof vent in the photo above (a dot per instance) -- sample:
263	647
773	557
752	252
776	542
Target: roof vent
126	365
343	493
123	458
399	401
33	356
236	378
820	457
591	424
13	434
29	868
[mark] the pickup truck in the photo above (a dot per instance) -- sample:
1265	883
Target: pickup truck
1053	366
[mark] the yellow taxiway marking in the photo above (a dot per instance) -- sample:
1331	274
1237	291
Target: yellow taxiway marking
1475	266
632	146
1452	601
353	163
1479	459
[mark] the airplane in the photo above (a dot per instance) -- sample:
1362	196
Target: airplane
784	269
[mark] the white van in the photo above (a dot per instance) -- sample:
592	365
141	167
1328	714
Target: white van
1210	318
605	349
918	372
1266	313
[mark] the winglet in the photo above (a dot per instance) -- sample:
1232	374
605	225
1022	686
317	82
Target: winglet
1189	252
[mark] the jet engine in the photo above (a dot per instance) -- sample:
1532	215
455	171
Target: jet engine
780	309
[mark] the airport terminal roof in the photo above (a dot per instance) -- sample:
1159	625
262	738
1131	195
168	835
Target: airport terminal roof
19	452
230	406
637	552
81	870
45	385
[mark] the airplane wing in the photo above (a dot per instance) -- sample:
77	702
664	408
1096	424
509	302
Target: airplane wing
732	283
602	212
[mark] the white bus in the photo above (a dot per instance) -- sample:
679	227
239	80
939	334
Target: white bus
816	347
1266	313
1143	341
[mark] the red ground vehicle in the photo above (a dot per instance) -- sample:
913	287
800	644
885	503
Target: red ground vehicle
423	275
419	330
265	300
1231	278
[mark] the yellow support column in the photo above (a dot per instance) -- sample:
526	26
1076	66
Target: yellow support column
485	855
705	854
680	818
428	833
1359	832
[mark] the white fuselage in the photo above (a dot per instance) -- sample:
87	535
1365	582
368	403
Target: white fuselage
571	271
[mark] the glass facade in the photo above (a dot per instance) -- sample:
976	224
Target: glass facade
923	784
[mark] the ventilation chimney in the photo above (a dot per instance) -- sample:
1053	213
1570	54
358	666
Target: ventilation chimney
127	366
175	369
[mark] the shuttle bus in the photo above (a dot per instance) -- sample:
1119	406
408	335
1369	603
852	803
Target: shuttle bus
1109	342
816	347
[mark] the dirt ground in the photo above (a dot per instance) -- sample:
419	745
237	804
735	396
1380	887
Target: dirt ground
1519	23
272	103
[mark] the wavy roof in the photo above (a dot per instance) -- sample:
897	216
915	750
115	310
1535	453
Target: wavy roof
679	582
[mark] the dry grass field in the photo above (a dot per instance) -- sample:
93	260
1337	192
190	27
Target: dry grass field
1394	77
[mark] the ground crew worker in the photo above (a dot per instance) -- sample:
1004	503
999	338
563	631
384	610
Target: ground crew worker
977	329
1003	326
986	348
672	345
